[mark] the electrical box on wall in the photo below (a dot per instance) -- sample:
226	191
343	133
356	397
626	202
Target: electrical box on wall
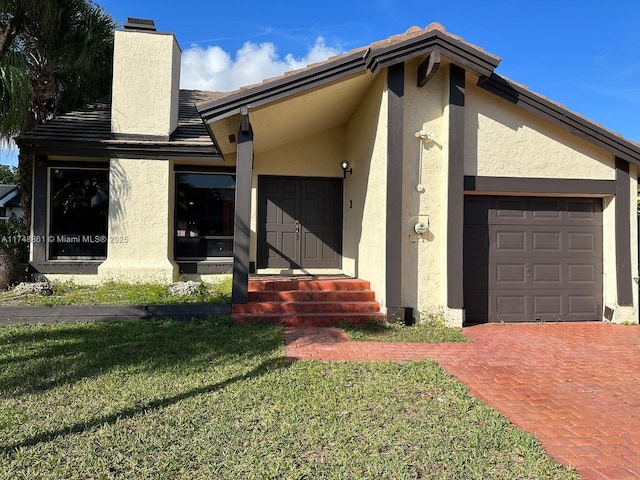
420	228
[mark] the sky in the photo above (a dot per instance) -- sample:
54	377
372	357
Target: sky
582	54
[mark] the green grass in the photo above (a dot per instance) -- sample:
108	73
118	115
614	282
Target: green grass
118	293
212	399
427	331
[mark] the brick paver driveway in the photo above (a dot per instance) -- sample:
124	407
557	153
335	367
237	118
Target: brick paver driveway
575	386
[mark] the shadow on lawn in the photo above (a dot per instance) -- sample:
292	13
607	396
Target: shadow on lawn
264	367
35	359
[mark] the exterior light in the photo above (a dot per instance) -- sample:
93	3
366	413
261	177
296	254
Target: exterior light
344	165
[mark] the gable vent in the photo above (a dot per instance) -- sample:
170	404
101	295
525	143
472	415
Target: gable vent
144	24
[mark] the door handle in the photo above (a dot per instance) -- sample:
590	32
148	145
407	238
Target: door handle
297	229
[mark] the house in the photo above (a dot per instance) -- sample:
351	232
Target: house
10	204
409	163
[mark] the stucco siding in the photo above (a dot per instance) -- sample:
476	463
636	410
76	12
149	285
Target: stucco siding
365	190
140	222
146	75
423	260
504	140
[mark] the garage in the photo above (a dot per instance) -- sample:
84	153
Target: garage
532	259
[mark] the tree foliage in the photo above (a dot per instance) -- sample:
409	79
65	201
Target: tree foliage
55	55
9	175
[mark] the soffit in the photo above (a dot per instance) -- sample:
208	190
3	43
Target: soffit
297	117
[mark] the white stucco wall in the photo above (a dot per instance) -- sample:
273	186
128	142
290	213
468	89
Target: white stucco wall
141	223
365	221
146	78
424	286
504	140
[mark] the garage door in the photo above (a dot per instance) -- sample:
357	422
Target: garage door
532	259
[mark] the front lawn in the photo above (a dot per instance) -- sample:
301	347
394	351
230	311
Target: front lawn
427	331
118	293
212	399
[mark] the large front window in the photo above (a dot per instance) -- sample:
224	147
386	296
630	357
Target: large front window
205	209
79	205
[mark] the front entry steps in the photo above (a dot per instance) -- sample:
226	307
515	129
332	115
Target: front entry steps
308	301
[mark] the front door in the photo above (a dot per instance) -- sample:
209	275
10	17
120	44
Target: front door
299	222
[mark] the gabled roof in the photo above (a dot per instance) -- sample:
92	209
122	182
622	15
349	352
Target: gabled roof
7	194
87	132
413	43
417	42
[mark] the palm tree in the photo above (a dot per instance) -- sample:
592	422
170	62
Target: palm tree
55	55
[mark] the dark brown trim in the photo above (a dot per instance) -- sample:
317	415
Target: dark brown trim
96	313
623	234
205	169
40	193
329	72
373	59
562	117
242	227
395	145
160	151
561	186
455	203
428	69
71	267
205	267
452	48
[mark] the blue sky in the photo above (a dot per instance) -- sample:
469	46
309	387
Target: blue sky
582	54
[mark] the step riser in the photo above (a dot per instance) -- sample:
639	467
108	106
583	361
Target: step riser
303	302
326	285
307	307
310	320
311	296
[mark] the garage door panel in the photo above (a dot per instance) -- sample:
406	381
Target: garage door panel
543	263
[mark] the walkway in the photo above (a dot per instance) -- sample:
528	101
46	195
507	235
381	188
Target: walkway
575	386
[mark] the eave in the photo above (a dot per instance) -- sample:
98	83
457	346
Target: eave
112	149
558	115
378	56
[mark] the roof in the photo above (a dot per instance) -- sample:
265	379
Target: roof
87	132
413	43
6	190
417	42
9	196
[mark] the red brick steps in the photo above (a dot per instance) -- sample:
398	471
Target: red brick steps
308	302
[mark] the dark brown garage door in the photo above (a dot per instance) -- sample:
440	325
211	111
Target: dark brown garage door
532	259
300	222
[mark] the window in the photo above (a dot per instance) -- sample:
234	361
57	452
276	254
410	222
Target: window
78	209
205	210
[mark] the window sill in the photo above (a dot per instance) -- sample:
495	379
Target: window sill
205	266
76	267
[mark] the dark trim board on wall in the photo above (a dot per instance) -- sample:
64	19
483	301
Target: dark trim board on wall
205	267
623	234
395	134
558	186
242	226
455	206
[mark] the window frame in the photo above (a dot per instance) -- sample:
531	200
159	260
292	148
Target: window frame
74	166
202	264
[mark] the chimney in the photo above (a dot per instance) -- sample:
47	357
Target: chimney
146	81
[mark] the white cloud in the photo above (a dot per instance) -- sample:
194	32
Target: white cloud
212	68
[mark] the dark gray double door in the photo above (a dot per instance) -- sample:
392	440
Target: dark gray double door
532	259
299	222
